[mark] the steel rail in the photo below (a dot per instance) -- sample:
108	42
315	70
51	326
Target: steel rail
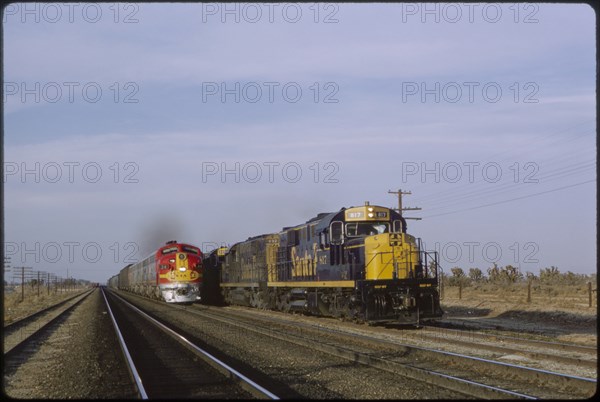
20	346
14	325
250	385
449	382
130	364
531	342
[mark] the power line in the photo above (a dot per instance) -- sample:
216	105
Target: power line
400	208
512	199
504	187
537	141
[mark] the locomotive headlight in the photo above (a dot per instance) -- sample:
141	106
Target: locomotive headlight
371	214
182	269
370	209
172	260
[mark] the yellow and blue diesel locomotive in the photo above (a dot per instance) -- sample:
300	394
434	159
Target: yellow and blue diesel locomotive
173	273
358	263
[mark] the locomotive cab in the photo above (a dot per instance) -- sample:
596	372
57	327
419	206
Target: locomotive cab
179	272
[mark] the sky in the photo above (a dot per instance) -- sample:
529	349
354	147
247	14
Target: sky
126	125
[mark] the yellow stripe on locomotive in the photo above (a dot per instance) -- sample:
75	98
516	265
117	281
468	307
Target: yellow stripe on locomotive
358	263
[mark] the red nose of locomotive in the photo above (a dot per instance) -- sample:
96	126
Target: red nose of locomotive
180	272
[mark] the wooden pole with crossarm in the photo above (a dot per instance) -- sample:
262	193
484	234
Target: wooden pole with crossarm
400	193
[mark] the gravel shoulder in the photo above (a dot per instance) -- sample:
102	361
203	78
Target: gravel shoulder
290	370
80	360
576	325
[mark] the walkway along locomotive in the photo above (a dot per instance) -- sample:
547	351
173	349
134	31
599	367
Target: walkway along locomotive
172	273
358	263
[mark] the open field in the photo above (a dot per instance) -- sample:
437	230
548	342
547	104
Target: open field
571	298
14	308
561	311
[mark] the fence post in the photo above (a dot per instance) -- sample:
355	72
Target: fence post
590	293
529	291
459	290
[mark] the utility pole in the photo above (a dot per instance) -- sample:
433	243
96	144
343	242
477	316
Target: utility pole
23	280
6	267
400	193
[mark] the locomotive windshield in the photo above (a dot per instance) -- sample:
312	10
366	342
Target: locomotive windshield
170	250
192	250
356	229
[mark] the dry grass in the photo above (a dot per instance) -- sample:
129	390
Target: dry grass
561	311
15	308
573	299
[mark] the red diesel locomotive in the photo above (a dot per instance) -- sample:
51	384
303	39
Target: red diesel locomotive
172	273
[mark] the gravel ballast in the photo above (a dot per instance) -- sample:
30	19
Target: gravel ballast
81	359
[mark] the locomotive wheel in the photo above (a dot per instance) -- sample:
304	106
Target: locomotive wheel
284	303
253	299
259	300
271	302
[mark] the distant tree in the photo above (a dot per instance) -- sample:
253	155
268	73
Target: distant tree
494	273
457	272
476	275
458	277
550	275
506	275
571	278
530	276
511	274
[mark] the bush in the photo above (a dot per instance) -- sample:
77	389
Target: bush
476	275
458	277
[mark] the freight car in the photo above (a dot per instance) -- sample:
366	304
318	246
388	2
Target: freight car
358	263
172	273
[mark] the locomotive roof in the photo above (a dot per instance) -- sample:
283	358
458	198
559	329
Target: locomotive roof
323	219
327	216
321	222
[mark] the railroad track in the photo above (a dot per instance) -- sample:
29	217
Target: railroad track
534	350
530	352
573	347
164	364
476	377
22	338
23	321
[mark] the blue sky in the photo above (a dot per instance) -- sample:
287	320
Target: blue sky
126	125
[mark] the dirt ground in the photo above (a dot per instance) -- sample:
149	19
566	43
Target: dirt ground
15	308
561	313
